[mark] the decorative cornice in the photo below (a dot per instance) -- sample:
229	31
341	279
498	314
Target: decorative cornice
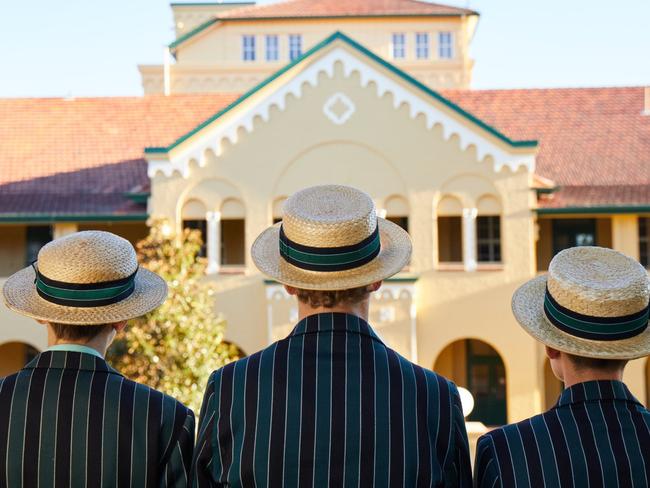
419	104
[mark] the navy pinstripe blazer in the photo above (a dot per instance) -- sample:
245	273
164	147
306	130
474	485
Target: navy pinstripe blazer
330	405
597	435
68	419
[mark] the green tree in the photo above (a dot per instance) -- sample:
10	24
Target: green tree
176	347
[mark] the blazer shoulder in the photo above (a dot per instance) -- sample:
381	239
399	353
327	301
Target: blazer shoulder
514	428
165	399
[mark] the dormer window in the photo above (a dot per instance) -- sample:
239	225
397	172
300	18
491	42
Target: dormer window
399	46
422	45
295	46
272	51
445	45
248	48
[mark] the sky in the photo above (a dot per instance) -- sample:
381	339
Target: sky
92	48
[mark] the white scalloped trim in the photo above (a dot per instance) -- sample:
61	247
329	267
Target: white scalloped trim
212	136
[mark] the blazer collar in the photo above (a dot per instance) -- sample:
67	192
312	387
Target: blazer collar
79	361
596	391
336	322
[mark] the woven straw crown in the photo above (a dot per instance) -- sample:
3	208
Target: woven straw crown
329	216
330	238
592	303
598	282
87	257
85	278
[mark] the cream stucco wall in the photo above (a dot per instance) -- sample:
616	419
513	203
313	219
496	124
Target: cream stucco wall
212	60
386	152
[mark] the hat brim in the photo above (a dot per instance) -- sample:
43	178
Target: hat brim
20	296
394	255
528	309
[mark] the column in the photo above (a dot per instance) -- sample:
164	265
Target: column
625	234
61	229
213	241
469	238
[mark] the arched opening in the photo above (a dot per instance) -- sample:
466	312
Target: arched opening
450	234
233	233
397	211
193	216
552	386
477	366
488	230
15	355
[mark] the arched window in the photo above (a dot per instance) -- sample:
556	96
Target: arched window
193	217
450	233
477	366
397	211
488	230
278	209
233	233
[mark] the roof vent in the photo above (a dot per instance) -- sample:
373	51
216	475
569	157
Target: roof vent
646	101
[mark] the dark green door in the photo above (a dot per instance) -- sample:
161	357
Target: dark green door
573	232
486	380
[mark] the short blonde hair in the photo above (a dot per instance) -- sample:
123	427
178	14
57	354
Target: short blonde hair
333	298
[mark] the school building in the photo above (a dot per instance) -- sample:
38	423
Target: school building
253	102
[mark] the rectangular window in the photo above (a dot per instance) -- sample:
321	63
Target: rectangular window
399	46
272	49
422	45
450	240
202	227
37	237
445	45
233	245
295	46
644	241
248	48
488	239
574	232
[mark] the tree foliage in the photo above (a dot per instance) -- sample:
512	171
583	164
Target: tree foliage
175	347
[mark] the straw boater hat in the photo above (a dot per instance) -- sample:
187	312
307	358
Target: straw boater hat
86	278
593	303
330	238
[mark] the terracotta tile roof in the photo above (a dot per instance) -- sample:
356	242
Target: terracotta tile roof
82	155
343	8
597	196
594	139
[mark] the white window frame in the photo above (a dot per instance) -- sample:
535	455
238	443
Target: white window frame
248	53
422	41
446	45
398	45
295	46
272	51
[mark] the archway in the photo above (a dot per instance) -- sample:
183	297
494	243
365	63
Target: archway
552	386
477	366
15	355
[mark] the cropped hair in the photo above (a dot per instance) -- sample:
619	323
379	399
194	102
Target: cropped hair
598	364
78	332
331	299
